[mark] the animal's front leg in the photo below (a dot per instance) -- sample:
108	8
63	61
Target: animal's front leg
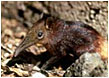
50	62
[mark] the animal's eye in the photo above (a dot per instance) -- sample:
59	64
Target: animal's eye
40	35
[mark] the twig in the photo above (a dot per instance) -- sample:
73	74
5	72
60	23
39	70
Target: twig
6	49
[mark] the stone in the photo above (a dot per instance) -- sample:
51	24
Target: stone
88	65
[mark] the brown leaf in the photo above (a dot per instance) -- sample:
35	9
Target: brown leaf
19	72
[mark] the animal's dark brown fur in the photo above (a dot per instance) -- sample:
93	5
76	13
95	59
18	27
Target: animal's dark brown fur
64	37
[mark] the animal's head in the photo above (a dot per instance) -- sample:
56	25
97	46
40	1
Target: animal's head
38	34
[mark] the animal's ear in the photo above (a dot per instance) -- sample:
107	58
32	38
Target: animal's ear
49	22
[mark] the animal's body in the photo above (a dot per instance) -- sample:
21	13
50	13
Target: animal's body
63	37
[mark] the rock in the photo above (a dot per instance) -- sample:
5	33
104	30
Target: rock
8	32
9	46
38	74
88	65
6	55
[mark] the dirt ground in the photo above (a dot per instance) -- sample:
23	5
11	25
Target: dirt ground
18	17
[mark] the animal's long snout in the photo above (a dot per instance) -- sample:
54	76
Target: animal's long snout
22	46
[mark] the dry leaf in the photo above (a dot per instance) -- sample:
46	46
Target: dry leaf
19	72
